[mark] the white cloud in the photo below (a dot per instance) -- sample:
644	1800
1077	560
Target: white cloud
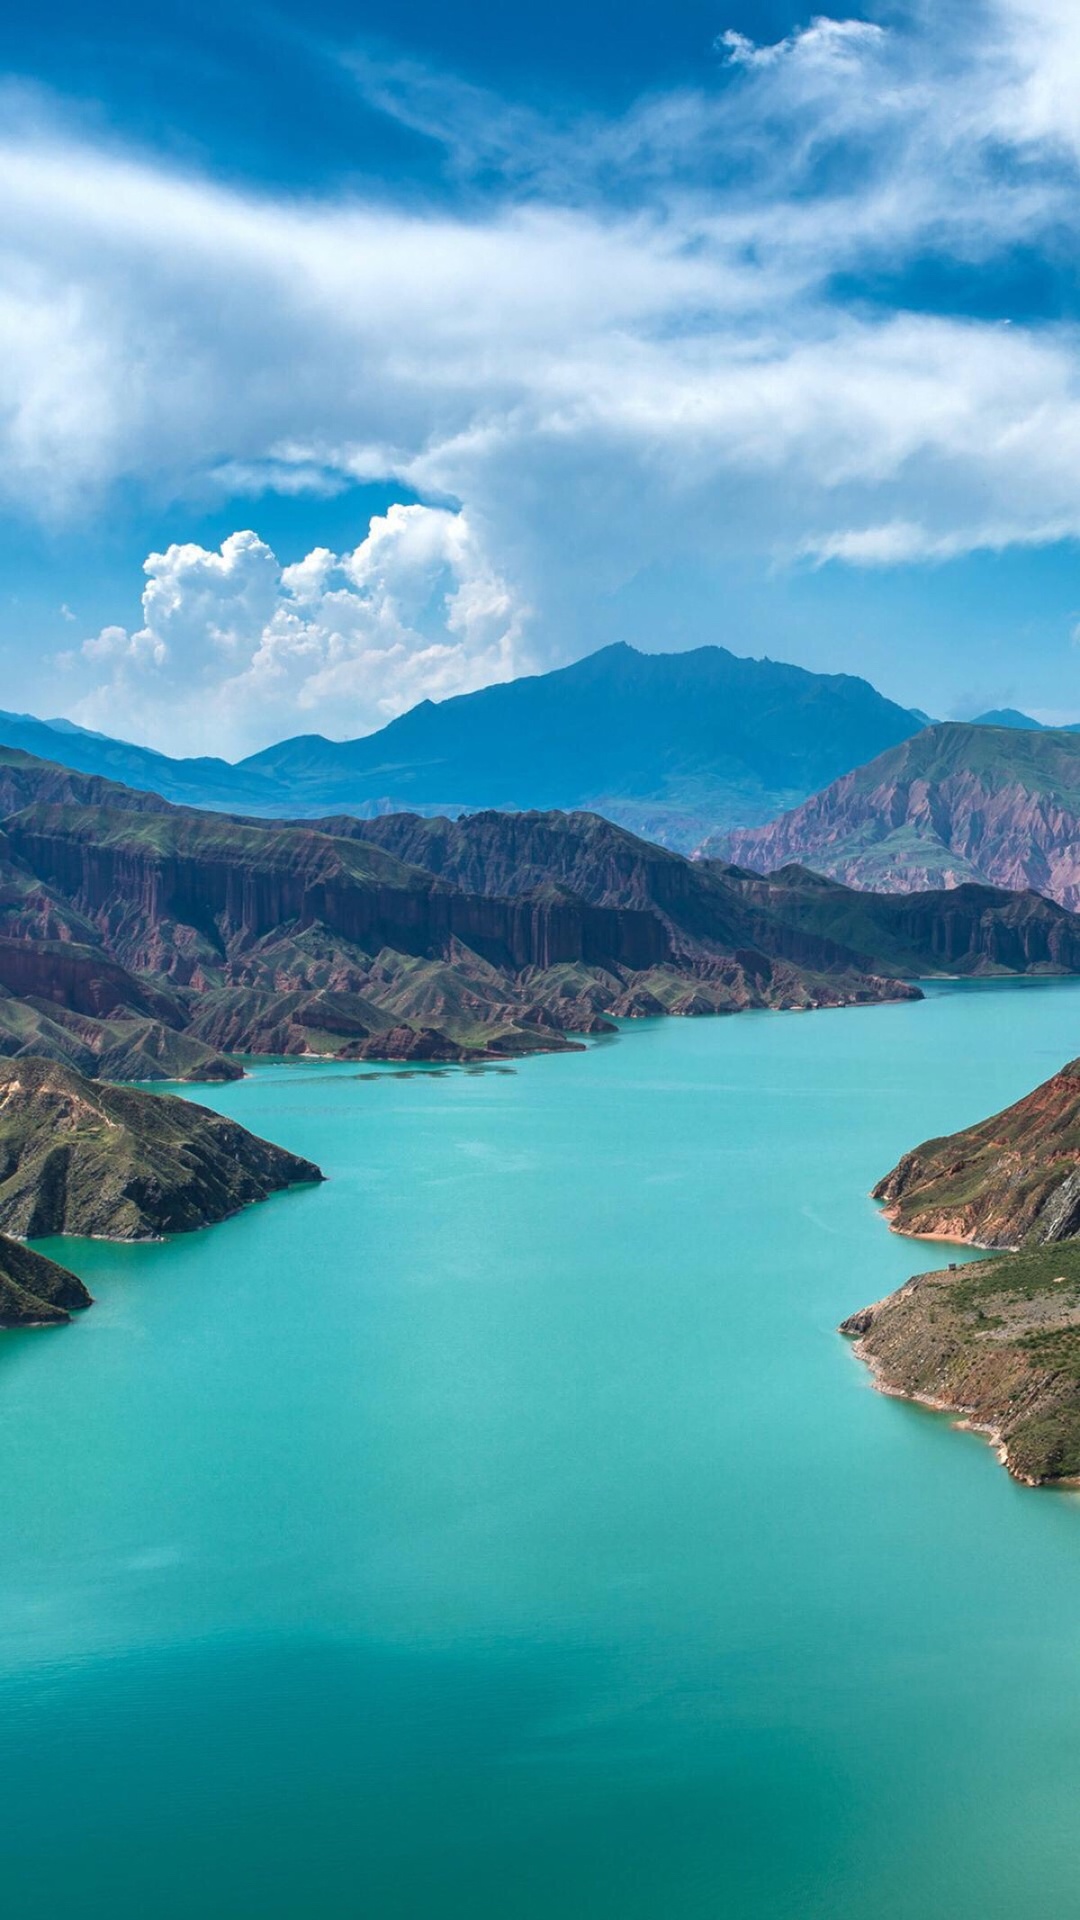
824	41
236	648
678	331
1037	99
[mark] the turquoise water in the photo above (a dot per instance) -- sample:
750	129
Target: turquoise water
502	1531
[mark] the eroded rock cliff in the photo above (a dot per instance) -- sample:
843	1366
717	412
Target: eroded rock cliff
954	803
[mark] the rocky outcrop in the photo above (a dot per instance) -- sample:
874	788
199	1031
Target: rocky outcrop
996	1343
953	804
34	1291
414	1043
78	1157
1011	1179
406	1043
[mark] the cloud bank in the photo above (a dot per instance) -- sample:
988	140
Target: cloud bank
695	329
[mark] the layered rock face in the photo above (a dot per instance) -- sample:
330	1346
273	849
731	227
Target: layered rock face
121	926
234	883
1009	1180
83	980
77	1157
953	804
515	854
158	941
970	929
704	907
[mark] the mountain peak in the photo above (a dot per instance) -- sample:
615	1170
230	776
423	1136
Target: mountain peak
1008	717
671	745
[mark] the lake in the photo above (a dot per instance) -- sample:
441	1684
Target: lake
502	1531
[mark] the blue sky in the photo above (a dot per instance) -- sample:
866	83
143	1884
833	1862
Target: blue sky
344	363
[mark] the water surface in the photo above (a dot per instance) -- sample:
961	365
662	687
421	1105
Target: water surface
502	1531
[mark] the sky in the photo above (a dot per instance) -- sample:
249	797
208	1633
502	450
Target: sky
348	361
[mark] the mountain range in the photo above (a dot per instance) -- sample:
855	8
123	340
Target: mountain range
997	805
671	745
752	761
140	940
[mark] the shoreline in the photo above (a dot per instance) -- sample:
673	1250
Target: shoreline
994	1344
889	1214
963	1418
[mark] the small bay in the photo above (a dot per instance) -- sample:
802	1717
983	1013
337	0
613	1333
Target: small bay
501	1531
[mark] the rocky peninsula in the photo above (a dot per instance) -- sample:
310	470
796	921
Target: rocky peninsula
80	1157
34	1291
997	1342
1007	1180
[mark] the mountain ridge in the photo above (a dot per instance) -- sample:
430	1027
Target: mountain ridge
672	744
158	938
140	939
997	806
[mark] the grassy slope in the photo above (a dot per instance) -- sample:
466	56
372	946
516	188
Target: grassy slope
998	1341
80	1157
34	1291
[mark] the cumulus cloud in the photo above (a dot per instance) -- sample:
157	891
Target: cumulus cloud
236	648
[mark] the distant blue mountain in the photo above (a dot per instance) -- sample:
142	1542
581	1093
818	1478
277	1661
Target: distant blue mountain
672	745
658	742
196	783
1020	722
1008	717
